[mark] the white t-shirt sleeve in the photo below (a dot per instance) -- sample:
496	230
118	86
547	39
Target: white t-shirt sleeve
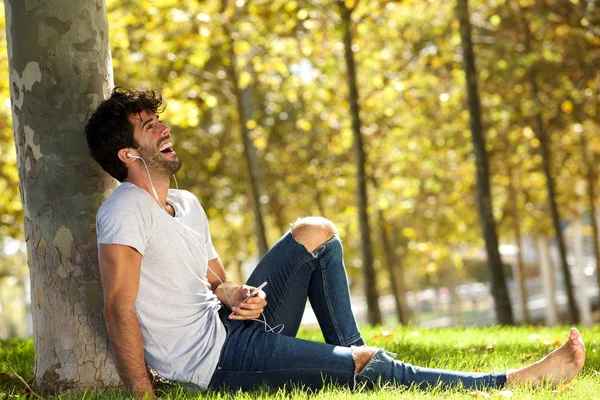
127	222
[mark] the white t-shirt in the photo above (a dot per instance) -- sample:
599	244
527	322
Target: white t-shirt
176	309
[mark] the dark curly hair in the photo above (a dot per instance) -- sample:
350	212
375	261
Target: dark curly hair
109	129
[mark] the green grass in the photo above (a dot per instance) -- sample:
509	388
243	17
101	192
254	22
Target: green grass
469	349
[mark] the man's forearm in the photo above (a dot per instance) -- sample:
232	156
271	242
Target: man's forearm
225	292
128	347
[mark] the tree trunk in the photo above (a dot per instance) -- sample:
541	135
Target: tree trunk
548	284
513	196
546	163
244	107
484	201
590	177
541	134
371	292
60	69
394	267
585	308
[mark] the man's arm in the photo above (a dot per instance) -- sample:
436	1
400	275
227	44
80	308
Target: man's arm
120	273
233	295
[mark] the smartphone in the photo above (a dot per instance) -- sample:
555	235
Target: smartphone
255	292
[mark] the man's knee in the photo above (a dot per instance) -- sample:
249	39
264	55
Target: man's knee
312	232
362	356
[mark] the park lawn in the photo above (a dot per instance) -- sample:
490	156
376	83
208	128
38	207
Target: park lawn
469	349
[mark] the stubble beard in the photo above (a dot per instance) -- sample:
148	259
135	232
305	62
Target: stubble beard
159	165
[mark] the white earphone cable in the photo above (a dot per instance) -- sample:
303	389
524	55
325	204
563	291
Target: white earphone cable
276	329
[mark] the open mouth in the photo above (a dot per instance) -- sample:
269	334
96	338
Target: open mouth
166	148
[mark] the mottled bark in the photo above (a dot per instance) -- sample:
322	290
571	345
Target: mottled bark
542	135
484	200
371	292
60	69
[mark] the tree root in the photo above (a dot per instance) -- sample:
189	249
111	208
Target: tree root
29	389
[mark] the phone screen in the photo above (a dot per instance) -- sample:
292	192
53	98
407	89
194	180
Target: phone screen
255	291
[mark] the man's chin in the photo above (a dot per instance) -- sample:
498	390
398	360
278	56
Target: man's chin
173	166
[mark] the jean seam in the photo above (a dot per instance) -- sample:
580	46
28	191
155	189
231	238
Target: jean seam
352	339
297	267
295	270
334	321
344	341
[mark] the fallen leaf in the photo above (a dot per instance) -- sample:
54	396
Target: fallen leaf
478	394
383	335
526	357
562	389
505	393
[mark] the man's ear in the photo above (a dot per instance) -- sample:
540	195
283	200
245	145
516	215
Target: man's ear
125	155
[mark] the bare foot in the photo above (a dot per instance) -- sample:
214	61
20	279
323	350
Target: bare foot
560	366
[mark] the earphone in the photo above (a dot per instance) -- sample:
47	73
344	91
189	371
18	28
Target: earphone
148	172
268	328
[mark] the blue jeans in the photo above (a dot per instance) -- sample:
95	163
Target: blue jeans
252	357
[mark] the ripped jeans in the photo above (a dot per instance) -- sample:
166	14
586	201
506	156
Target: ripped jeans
252	357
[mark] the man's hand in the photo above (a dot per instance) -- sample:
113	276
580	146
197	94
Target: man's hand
233	295
251	308
236	294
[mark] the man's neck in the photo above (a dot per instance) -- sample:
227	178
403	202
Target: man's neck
160	183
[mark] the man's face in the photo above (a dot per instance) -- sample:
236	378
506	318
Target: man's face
155	146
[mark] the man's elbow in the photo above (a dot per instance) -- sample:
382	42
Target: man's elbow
117	312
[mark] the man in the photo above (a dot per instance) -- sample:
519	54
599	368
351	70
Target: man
169	304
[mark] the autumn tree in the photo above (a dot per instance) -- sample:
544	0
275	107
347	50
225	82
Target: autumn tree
60	69
542	132
484	198
370	282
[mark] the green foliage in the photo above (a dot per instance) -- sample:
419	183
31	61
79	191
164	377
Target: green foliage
472	349
11	216
421	172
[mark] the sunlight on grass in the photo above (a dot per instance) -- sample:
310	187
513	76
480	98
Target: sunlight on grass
469	349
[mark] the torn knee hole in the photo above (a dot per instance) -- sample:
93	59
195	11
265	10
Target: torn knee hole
312	232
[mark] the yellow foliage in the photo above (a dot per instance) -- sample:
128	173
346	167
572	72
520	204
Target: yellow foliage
260	143
304	125
244	80
241	47
251	124
290	6
210	100
567	107
409	233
